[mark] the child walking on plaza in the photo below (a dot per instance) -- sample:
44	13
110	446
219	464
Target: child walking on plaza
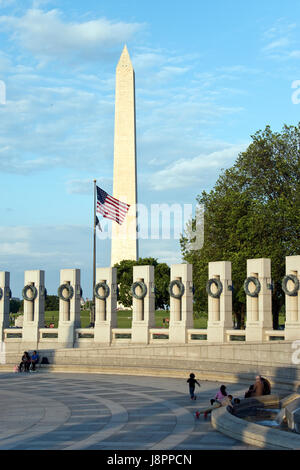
192	383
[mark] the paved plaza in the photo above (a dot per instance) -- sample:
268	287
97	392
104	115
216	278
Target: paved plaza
112	412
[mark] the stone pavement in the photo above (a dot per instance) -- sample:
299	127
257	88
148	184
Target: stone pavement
97	411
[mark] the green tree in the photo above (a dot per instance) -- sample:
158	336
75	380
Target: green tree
253	211
14	305
52	303
161	279
87	305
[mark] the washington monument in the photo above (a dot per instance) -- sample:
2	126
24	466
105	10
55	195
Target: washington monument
124	244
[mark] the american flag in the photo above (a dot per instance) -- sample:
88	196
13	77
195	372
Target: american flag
111	207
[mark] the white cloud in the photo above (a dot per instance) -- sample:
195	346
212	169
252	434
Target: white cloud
295	54
50	248
16	249
187	172
6	3
53	122
281	27
237	69
221	75
86	185
280	39
5	63
14	234
167	72
166	251
10	163
46	125
156	162
277	44
47	35
149	59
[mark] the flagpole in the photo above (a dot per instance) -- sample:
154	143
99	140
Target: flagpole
93	313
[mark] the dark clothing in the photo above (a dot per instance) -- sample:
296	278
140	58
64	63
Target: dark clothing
262	387
25	366
266	386
25	363
248	394
192	383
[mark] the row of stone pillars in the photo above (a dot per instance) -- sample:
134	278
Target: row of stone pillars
259	306
143	317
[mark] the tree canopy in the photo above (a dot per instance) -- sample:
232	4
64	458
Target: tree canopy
161	280
14	305
253	211
51	303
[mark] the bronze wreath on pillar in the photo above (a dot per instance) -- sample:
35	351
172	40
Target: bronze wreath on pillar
33	290
180	286
70	290
43	292
106	290
79	291
143	286
257	286
219	286
294	279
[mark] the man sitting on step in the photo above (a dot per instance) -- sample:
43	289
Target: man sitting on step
34	360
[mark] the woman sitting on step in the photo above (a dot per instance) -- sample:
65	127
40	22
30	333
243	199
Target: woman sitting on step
221	394
25	363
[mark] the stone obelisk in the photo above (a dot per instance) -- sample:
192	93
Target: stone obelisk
124	244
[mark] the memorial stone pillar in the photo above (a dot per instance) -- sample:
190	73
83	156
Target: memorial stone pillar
143	303
69	292
219	289
34	308
290	285
258	288
4	302
181	302
106	304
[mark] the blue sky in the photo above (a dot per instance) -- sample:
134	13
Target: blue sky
208	75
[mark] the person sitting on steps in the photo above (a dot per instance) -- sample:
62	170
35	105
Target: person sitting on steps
226	401
34	360
25	363
220	395
261	387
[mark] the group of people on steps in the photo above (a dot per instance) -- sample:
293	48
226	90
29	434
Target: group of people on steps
260	387
28	362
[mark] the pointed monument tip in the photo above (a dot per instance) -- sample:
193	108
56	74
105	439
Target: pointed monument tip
125	57
125	52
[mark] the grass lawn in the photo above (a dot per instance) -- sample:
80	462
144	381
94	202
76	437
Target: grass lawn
125	319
